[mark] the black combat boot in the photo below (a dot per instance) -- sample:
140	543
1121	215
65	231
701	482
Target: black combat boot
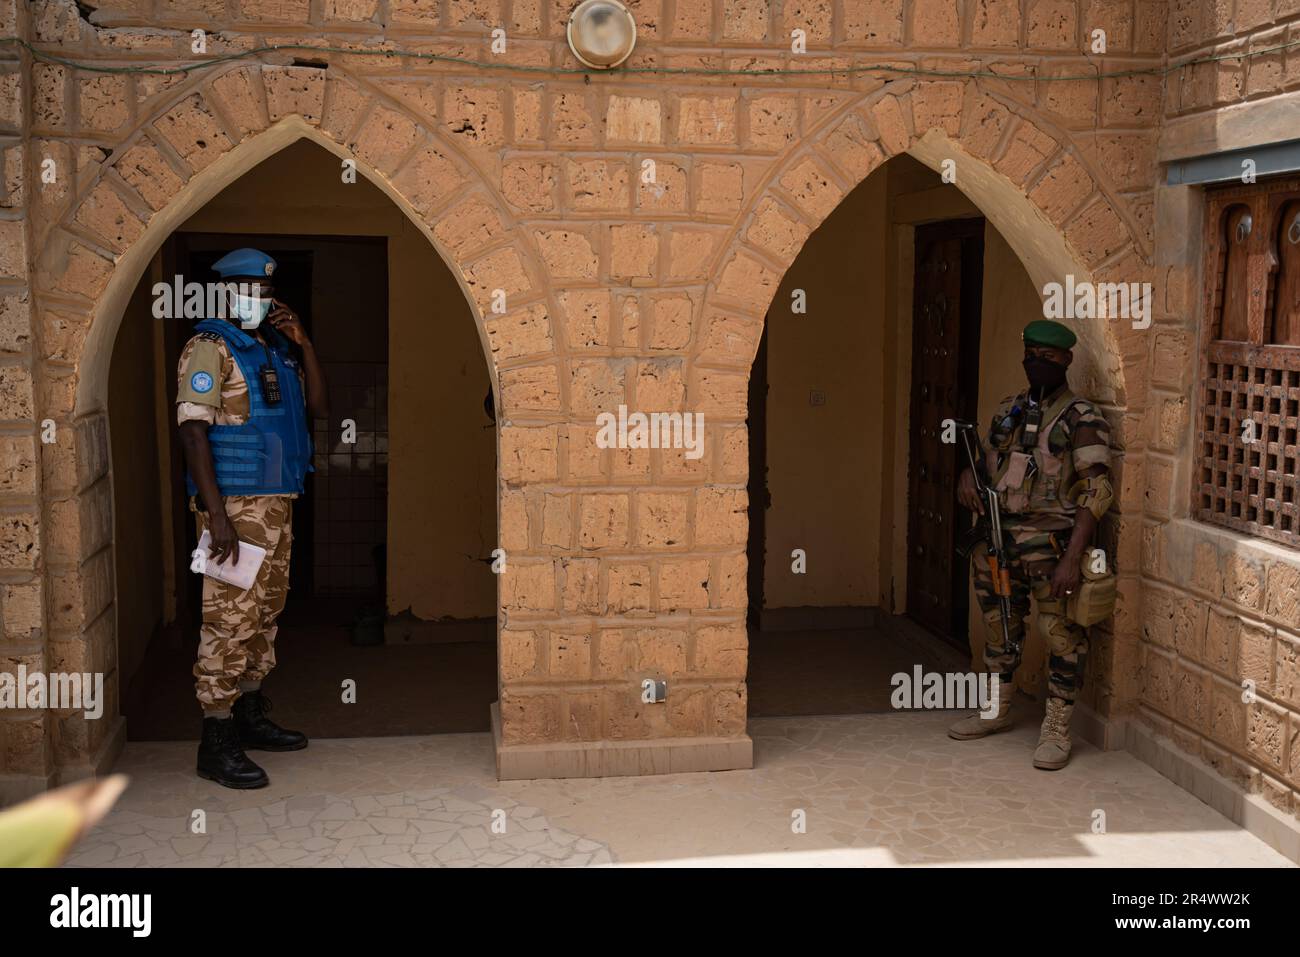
257	732
221	759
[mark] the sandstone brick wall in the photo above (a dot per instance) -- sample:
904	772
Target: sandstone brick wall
1227	28
1218	612
621	563
1218	608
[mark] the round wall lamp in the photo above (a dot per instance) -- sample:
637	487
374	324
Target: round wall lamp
602	33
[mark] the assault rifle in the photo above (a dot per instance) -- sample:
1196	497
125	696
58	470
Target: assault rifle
989	529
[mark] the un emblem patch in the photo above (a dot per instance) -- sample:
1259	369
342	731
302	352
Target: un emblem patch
201	382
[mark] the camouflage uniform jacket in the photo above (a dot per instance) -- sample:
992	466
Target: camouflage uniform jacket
1037	487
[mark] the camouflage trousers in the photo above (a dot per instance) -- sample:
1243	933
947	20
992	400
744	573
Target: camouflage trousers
237	639
1032	564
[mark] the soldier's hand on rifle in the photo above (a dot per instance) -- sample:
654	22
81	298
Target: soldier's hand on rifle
1066	577
968	494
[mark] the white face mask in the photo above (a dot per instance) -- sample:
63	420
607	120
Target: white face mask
250	312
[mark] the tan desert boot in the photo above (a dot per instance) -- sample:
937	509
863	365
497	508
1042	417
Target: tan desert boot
1053	751
973	726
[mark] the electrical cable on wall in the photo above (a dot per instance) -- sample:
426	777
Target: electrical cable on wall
1158	71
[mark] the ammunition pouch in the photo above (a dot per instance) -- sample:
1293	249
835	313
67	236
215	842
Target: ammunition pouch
1034	477
1094	600
1042	568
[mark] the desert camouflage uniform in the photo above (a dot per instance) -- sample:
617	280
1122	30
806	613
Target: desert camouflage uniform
237	639
1035	513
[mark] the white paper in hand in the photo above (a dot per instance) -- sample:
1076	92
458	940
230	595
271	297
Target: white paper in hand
241	574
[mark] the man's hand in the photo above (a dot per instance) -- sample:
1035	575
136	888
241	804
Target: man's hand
1067	576
968	494
225	540
287	323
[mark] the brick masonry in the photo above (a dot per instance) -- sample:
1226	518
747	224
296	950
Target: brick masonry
1219	609
616	291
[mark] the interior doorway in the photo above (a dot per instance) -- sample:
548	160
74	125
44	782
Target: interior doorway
914	304
946	297
338	285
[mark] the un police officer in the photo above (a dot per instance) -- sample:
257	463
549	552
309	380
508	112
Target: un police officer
246	385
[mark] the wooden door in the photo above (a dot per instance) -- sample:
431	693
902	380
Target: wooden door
945	374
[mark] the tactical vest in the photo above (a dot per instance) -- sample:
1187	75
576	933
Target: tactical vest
1044	485
270	454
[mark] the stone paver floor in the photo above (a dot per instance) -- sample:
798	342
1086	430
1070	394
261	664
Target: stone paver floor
883	789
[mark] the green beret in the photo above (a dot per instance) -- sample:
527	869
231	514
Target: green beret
1045	332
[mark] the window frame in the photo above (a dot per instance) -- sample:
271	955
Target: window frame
1253	488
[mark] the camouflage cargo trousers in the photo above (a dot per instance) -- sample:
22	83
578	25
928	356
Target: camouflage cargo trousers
237	639
1032	564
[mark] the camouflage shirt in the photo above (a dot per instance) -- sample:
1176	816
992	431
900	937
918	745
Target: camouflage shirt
1077	439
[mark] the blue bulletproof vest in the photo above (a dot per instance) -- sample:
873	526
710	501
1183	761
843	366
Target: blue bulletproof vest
270	454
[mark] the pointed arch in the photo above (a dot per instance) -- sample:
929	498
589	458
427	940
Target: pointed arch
205	137
196	139
1038	191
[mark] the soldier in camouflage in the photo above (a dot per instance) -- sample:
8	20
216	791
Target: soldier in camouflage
242	402
1048	458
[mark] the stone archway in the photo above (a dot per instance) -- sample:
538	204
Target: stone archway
1036	190
597	543
184	152
189	149
1043	198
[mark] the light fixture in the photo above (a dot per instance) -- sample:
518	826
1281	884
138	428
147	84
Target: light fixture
602	33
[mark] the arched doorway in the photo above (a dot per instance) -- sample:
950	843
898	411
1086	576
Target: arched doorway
903	296
401	609
196	142
1060	221
1038	192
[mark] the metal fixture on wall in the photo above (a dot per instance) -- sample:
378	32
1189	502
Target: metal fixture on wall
601	33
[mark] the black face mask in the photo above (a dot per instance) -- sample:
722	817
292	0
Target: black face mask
1044	374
